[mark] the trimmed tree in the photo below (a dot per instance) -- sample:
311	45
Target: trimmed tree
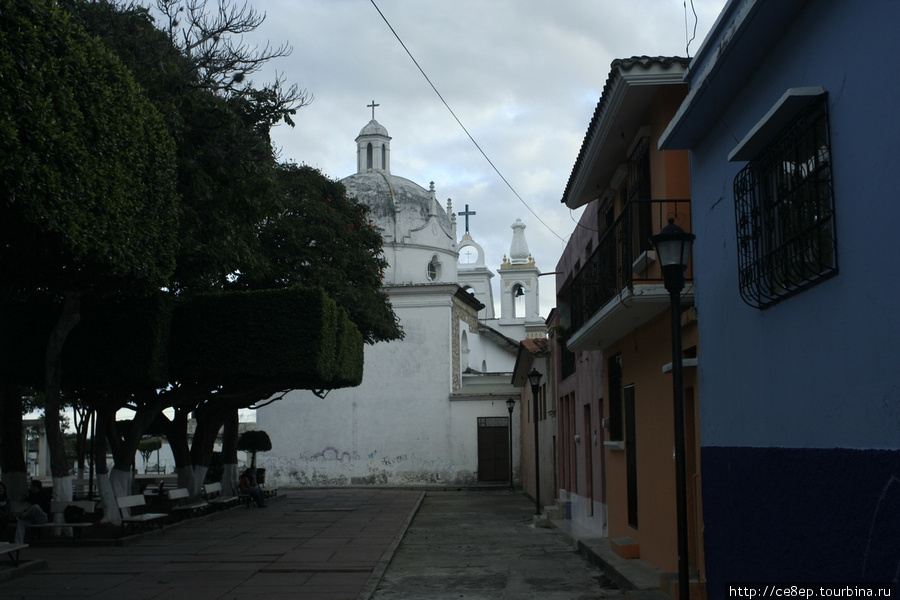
254	441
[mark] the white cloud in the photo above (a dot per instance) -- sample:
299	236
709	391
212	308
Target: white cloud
523	76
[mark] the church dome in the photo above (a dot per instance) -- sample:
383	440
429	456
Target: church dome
373	127
386	194
419	234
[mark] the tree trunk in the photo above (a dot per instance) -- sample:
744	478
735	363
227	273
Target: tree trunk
12	447
104	485
59	464
176	433
230	454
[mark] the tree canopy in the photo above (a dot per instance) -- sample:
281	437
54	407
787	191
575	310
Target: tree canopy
142	209
318	236
87	183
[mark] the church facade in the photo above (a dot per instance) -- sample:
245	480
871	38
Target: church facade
432	407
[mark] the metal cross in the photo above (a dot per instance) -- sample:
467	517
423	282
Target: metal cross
372	106
466	213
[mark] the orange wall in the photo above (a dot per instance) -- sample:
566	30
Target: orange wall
644	352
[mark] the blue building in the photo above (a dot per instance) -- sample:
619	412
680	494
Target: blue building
793	123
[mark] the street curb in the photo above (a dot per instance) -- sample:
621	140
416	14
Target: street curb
368	590
23	569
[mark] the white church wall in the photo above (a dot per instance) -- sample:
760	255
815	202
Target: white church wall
410	264
394	429
487	357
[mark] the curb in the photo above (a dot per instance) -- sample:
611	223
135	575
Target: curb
368	589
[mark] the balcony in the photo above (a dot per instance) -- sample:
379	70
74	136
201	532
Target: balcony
620	287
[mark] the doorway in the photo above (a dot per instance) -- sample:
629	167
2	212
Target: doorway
493	449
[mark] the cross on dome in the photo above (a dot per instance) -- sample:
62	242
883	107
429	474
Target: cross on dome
372	106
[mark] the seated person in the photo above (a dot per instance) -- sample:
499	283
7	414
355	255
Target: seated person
36	513
247	486
6	511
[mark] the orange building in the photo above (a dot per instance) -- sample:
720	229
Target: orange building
616	471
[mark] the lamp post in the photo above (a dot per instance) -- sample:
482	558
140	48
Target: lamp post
535	379
673	248
510	405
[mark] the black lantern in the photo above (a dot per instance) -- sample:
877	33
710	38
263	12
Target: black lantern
673	249
510	405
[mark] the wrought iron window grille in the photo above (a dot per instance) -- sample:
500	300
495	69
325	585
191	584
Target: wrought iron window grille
784	210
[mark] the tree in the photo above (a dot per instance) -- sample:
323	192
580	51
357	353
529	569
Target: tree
87	186
197	75
254	441
319	237
147	446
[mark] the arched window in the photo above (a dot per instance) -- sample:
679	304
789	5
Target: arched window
464	352
369	155
383	157
434	269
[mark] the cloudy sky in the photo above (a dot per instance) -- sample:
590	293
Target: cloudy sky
523	77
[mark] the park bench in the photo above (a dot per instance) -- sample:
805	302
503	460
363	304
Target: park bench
141	520
56	518
181	504
213	494
12	551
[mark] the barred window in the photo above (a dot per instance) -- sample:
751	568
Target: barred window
784	208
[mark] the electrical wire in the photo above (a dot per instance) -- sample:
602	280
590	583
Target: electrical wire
687	45
483	153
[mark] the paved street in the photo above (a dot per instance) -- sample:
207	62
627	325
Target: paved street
327	545
482	546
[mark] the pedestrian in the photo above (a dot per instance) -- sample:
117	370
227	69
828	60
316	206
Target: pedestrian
36	513
247	487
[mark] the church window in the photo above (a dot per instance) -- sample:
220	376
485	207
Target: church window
434	269
383	157
369	155
464	352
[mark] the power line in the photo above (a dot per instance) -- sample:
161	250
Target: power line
490	162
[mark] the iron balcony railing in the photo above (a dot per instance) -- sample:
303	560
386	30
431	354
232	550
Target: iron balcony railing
611	267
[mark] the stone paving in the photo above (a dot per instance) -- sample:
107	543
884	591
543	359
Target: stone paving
482	546
309	544
338	544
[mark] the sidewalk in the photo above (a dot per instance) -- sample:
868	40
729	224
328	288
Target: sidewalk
310	544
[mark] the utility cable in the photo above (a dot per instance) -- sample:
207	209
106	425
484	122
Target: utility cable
490	162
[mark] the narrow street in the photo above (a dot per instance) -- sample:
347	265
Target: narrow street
482	546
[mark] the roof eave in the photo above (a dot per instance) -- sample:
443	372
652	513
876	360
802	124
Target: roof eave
618	115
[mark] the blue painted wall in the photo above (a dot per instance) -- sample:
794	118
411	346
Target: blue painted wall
800	403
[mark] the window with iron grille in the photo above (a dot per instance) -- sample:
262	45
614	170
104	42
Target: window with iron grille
638	188
784	208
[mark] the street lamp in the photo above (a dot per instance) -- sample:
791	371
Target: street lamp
673	248
535	379
510	405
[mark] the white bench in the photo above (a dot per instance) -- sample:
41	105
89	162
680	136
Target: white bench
58	507
213	494
181	505
141	520
12	551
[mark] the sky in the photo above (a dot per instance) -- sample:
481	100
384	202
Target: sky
522	76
